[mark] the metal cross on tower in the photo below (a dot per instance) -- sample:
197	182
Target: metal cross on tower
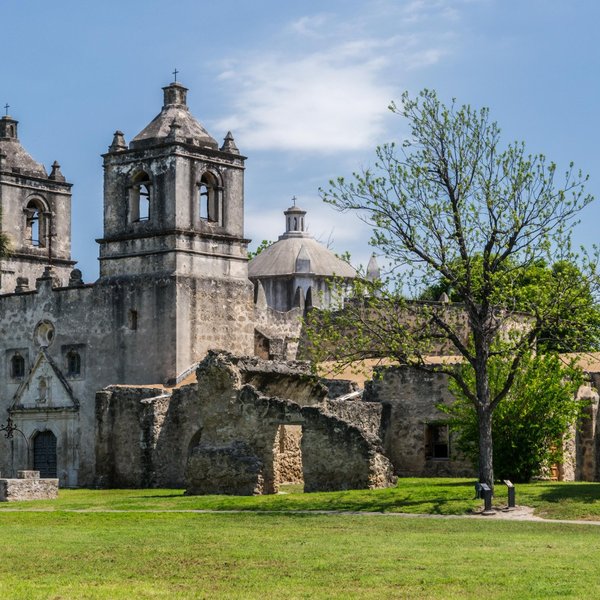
6	107
175	74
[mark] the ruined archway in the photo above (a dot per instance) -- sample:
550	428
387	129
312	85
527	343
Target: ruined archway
287	456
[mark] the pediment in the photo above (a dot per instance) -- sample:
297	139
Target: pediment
45	387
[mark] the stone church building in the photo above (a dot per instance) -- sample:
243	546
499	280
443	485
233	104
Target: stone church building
173	282
99	378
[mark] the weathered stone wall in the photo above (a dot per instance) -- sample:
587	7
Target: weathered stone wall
232	469
417	317
409	398
340	387
339	456
28	486
291	380
281	329
127	431
364	415
203	425
587	437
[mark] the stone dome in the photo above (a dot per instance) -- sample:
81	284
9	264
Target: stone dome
13	156
296	251
174	122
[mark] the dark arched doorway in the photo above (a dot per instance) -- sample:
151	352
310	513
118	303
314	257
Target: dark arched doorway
44	454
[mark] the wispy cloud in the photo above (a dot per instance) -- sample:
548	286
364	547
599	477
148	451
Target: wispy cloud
328	89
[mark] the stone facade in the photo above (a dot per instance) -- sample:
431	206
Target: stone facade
173	282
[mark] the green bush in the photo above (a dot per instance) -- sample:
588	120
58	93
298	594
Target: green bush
529	425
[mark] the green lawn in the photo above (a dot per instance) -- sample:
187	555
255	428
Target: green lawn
438	496
49	551
136	555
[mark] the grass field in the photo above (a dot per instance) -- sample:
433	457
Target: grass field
51	552
436	496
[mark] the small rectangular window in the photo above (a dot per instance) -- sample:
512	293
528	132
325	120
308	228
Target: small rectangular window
437	440
17	366
17	363
133	319
74	361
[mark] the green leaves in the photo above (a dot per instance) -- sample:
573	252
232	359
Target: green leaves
529	425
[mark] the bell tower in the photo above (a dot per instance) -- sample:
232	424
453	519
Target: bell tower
173	254
173	199
35	214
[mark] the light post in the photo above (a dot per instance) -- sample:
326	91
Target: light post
9	430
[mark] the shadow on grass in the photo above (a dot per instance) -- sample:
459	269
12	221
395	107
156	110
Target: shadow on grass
144	497
588	494
465	484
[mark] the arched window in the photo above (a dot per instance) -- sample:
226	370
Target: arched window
140	197
73	363
17	366
209	206
35	224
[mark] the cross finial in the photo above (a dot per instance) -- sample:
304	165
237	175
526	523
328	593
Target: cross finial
294	200
6	107
175	74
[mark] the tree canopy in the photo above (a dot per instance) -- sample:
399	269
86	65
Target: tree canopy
452	204
575	324
528	426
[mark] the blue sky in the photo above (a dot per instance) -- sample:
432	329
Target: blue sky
304	87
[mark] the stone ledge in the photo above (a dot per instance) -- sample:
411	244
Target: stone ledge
14	490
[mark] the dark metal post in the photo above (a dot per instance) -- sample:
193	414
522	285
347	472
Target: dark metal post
486	492
8	430
511	494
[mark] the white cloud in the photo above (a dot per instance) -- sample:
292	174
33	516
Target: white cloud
310	25
328	90
316	103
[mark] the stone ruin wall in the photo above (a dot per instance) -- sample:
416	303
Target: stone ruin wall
223	435
584	442
409	398
278	333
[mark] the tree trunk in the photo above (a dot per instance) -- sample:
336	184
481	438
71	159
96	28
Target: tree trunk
482	337
486	464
